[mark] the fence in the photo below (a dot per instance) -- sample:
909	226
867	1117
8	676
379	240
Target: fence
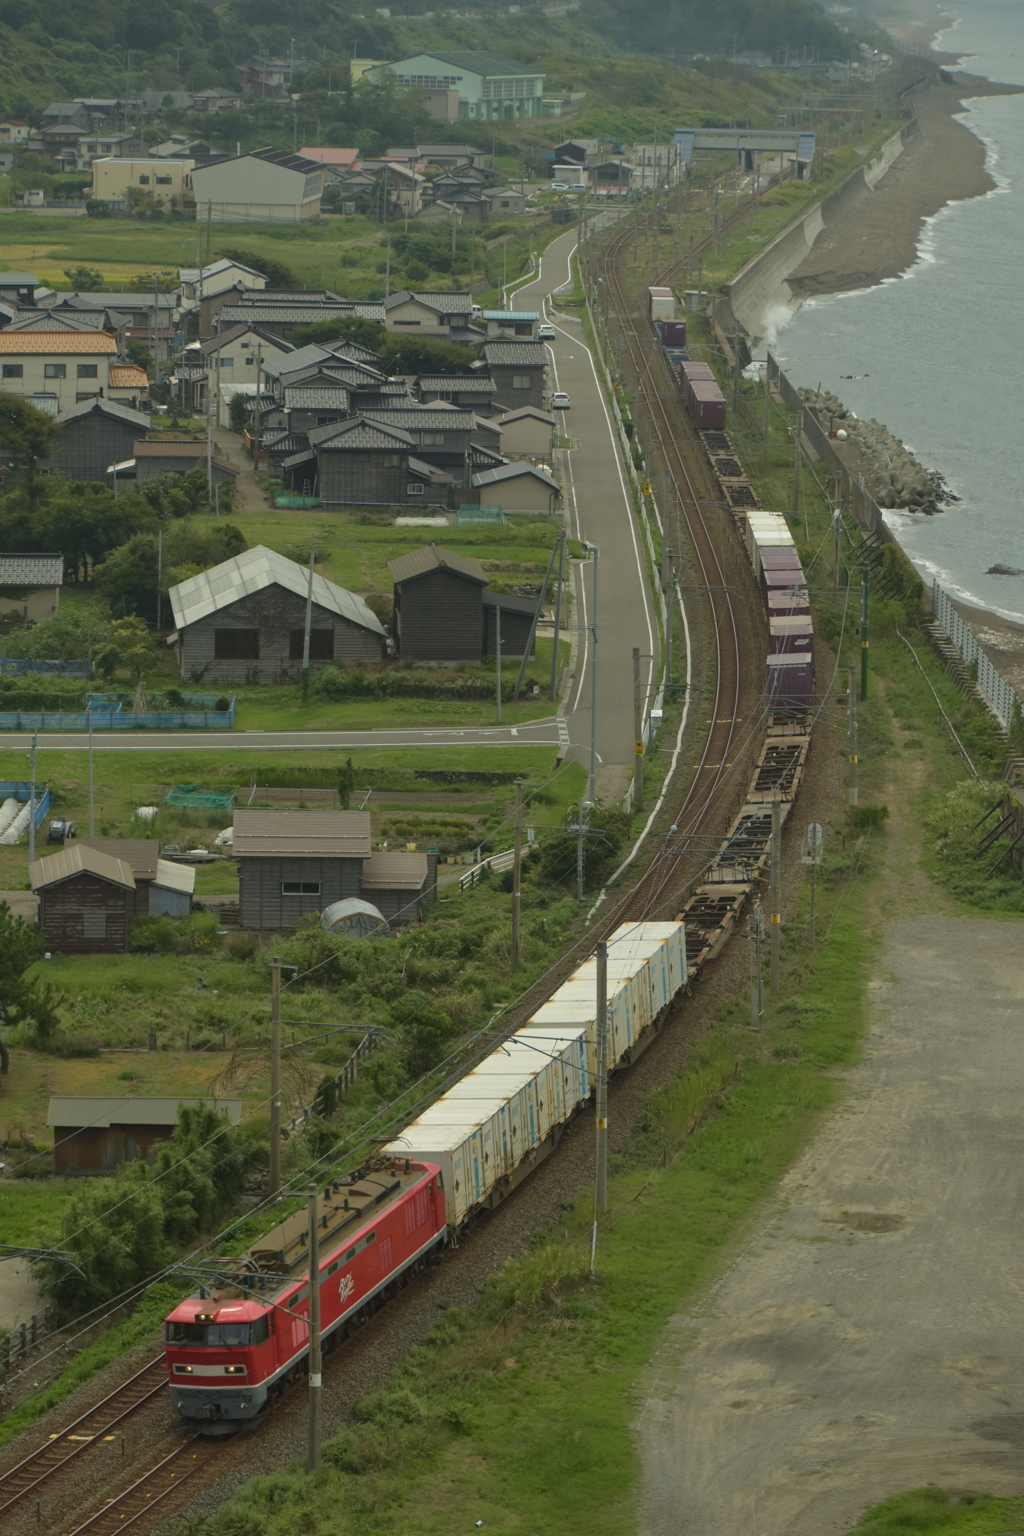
27	1335
466	516
17	666
1000	694
117	720
344	1080
499	862
852	490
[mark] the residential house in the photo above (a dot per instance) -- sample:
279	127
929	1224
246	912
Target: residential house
337	162
106	146
160	886
293	864
527	433
92	1135
94	435
281	313
245	619
448	156
438	614
269	78
164	456
138	308
506	202
518	487
36	579
205	292
489	86
6	160
18	288
180	147
56	370
517	368
400	884
439	315
404	186
466	203
445	435
509	324
468	391
14	130
86	901
214	99
267	186
128	384
235	357
165	179
67	114
358	462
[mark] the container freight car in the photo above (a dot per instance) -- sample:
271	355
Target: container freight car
661	305
791	682
791	636
673	333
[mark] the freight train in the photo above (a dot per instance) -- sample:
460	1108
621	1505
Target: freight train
238	1342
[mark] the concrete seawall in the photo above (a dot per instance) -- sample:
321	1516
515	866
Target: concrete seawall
759	296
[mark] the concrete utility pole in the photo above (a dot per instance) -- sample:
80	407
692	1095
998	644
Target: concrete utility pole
558	614
775	897
309	621
755	933
851	731
592	781
275	1075
32	800
256	413
92	798
315	1362
864	633
497	652
669	586
601	1174
517	871
797	434
638	734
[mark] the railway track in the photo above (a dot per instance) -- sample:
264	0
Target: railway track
30	1476
141	1497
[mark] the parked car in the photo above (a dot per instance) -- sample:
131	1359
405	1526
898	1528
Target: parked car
60	830
546	333
560	401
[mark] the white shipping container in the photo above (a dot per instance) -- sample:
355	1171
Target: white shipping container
673	935
766	532
575	1002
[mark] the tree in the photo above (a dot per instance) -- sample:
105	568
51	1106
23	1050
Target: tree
133	198
74	634
84	279
138	353
23	1000
275	272
130	646
26	433
346	784
95	208
164	282
365	333
238	411
83	521
408	354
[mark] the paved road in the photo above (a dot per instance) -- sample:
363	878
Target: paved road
549	732
598	509
868	1340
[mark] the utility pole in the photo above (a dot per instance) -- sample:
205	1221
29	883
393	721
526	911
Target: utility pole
767	423
601	1161
775	896
309	621
558	615
638	735
32	801
315	1363
209	446
837	525
592	784
755	933
797	433
815	837
497	655
851	731
581	828
275	1075
669	585
159	576
256	413
92	798
517	874
864	632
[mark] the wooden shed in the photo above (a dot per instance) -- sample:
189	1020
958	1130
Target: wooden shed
400	884
94	435
438	605
518	487
86	901
244	621
293	864
160	886
527	433
516	624
93	1135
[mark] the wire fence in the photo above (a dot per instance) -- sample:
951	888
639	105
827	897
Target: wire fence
17	1343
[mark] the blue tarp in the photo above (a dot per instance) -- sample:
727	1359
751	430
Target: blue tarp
16	666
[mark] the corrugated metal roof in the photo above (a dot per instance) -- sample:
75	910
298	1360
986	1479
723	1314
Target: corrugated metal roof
251	572
340	436
512	354
433	558
100	407
77	860
394	872
127	376
175	877
518	471
31	570
288	834
481	61
141	854
14	343
103	1112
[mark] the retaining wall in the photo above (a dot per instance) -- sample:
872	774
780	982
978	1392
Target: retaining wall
759	291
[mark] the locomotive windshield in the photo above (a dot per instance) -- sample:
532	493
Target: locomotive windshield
220	1334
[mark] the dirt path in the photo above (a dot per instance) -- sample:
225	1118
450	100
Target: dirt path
866	1340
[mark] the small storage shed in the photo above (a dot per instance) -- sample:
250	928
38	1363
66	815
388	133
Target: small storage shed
245	619
93	435
293	864
527	433
39	579
516	624
400	884
86	901
93	1135
438	605
520	487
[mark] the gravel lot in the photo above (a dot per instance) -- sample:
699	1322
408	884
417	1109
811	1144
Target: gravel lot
867	1339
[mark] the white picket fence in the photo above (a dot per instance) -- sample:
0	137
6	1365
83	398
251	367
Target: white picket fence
1000	694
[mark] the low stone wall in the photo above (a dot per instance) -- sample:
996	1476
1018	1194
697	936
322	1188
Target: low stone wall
759	295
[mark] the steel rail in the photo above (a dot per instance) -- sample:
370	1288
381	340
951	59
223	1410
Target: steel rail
140	1497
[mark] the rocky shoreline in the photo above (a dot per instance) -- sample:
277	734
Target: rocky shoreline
894	478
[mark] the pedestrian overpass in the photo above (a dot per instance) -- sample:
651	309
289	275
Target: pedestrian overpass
746	142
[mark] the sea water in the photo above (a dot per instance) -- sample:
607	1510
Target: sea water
938	355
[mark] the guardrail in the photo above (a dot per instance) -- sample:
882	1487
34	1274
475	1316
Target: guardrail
25	1336
1000	694
499	862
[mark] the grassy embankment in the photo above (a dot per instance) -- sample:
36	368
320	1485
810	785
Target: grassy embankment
932	1512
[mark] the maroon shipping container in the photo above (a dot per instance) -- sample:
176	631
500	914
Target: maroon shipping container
692	369
673	333
790	682
708	412
787	582
791	636
784	604
778	557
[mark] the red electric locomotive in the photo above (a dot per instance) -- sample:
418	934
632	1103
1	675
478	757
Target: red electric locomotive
235	1345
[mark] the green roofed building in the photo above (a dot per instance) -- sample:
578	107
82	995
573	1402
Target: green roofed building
489	85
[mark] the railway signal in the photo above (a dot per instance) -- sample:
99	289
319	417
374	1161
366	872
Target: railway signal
815	838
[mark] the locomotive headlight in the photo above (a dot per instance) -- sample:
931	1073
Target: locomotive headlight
234	1370
183	1370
